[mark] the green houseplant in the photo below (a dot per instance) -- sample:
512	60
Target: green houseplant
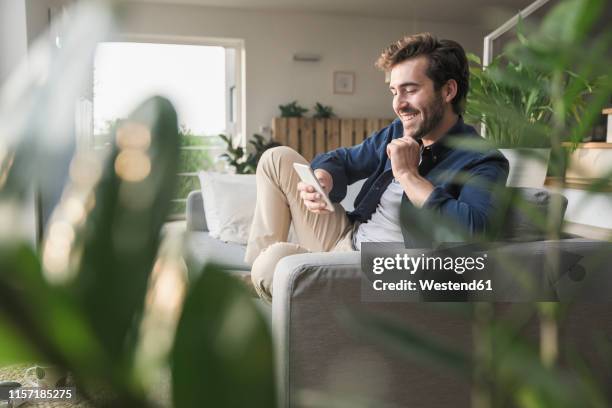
292	110
239	159
508	109
323	111
514	101
513	104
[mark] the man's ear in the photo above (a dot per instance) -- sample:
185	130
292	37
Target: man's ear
449	90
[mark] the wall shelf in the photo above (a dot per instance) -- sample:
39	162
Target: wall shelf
591	145
587	231
579	183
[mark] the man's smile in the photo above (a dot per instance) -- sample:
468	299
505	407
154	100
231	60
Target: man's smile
408	115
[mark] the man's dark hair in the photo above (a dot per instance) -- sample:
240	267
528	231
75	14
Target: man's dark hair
447	60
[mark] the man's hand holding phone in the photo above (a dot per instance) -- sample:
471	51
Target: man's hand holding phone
315	199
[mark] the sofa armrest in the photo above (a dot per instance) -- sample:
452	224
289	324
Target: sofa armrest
301	273
194	212
314	348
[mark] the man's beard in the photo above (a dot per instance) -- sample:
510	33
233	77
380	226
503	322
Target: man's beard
435	114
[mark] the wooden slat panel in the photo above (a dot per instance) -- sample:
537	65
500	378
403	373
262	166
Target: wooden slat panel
371	126
313	136
380	123
307	138
320	136
385	122
333	134
359	126
279	130
346	133
293	134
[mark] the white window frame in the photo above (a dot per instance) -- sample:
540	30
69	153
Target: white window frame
235	129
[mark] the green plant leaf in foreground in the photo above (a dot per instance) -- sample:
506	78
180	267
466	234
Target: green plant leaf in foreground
121	235
58	334
42	323
222	356
16	324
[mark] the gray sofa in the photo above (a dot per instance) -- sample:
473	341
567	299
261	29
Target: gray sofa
320	359
202	248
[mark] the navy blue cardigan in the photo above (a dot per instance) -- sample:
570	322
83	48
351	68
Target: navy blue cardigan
463	179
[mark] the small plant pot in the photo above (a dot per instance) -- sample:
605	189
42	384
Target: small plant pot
528	167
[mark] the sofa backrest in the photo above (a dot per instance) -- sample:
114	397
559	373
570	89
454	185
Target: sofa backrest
524	212
194	212
196	218
529	213
351	194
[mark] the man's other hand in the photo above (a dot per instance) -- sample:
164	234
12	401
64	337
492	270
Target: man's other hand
405	154
312	199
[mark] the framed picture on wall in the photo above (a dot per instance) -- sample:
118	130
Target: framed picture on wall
344	82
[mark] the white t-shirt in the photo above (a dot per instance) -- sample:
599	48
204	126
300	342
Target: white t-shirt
384	226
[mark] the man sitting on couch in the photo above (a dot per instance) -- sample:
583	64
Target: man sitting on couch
409	163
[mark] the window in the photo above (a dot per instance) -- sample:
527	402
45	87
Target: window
201	80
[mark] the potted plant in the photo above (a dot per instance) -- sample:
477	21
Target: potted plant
292	110
513	100
323	111
508	110
243	162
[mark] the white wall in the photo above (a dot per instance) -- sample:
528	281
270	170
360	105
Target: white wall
271	39
13	36
587	208
13	52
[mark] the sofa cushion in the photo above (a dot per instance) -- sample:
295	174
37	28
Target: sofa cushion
351	194
527	211
201	248
228	204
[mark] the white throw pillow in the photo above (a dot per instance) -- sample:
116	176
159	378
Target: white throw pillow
229	204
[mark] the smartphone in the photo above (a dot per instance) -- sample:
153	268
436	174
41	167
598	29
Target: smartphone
307	176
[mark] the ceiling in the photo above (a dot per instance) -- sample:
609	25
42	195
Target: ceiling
478	12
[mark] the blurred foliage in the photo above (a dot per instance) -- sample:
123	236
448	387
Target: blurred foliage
292	110
323	111
496	103
196	153
239	159
236	368
545	88
195	150
187	184
90	299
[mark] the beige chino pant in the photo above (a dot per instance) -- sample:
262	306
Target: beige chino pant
278	205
